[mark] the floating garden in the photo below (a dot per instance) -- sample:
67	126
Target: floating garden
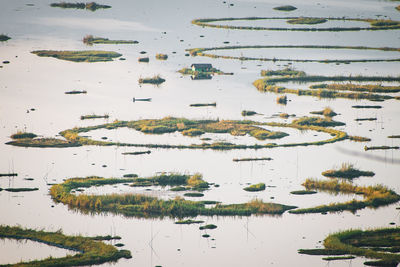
90	251
375	24
79	56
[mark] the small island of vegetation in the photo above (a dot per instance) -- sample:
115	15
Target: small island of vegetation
255	187
79	56
92	6
285	8
90	40
4	38
310	21
347	171
152	80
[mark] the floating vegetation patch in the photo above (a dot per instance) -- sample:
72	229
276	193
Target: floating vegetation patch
285	8
281	100
188	221
338	258
252	159
21	189
202	72
22	135
161	56
366	148
367	106
137	152
146	206
208	227
303	192
202	52
94	116
375	24
328	112
235	128
359	138
374	196
90	40
193	132
10	174
75	92
248	113
90	251
152	80
317	121
43	142
193	194
347	171
365	119
255	187
310	21
379	244
144	59
394	136
79	56
204	104
92	6
269	84
283	72
372	88
4	38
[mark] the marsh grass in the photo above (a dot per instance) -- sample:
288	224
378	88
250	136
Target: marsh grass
366	148
146	206
367	106
251	159
248	113
281	100
136	153
152	80
309	21
21	189
303	192
193	194
43	142
255	187
317	121
94	116
375	88
90	40
188	221
374	196
204	104
4	38
283	72
22	135
347	171
161	56
365	119
79	56
208	227
338	258
359	138
328	112
394	136
90	251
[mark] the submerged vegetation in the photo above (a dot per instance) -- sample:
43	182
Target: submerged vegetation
380	245
374	196
147	206
90	251
92	6
79	56
375	24
347	171
90	40
152	80
255	187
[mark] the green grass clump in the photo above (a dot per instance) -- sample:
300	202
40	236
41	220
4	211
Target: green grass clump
4	38
374	196
248	113
193	194
42	142
328	112
161	56
93	116
255	187
188	221
366	148
90	252
22	135
153	80
374	244
251	159
208	227
285	8
347	171
79	56
283	72
192	132
359	138
146	206
310	21
317	121
194	182
92	6
90	40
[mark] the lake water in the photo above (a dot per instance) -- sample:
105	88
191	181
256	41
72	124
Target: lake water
29	81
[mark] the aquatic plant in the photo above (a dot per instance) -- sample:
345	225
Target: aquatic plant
376	88
147	206
394	136
328	112
281	100
43	142
152	80
252	159
161	56
283	72
285	8
303	192
4	38
188	221
137	152
74	92
204	104
310	21
347	171
22	135
92	6
94	116
255	187
90	251
359	138
90	40
367	106
10	174
248	113
144	59
374	196
366	148
20	189
79	56
317	121
380	245
208	227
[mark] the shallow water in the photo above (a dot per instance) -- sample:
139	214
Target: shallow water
34	82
